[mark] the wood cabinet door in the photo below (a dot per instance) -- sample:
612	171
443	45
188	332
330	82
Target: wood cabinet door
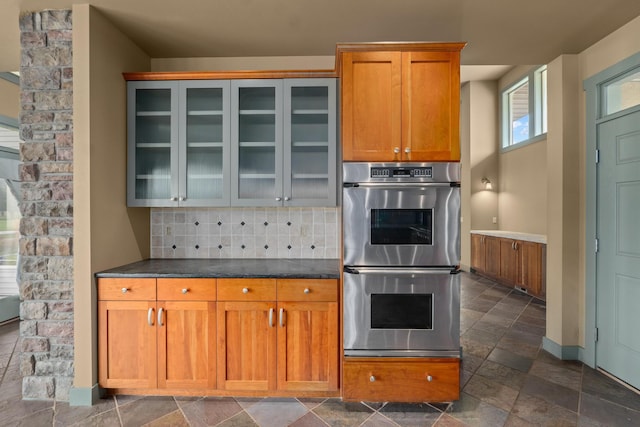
531	267
430	106
492	256
509	261
186	344
477	252
246	345
127	344
308	346
371	106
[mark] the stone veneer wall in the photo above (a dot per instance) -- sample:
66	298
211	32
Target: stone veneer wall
46	229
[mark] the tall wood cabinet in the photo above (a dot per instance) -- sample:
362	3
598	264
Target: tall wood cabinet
400	102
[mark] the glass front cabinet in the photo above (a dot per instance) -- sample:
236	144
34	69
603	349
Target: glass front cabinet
262	142
179	145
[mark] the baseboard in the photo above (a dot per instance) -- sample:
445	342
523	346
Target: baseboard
84	396
563	352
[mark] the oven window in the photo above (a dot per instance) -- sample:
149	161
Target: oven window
401	311
401	226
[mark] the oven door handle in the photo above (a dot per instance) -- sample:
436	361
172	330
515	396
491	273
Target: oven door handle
400	270
397	186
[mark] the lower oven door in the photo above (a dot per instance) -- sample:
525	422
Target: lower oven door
401	312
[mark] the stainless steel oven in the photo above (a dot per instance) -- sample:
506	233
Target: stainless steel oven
401	225
401	312
397	214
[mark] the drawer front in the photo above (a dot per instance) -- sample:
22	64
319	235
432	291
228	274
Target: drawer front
398	380
308	290
126	289
187	289
246	289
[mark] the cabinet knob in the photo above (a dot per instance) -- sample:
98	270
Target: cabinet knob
182	198
278	199
429	378
286	199
407	150
372	378
396	150
125	290
174	199
245	290
307	290
185	290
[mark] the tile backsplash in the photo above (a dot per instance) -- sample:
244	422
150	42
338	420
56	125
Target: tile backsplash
245	233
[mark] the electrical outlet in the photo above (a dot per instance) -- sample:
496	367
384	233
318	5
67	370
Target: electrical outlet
169	231
495	220
461	219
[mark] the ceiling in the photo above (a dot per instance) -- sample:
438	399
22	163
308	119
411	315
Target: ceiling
498	32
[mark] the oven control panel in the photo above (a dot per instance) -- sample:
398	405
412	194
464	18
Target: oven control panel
401	172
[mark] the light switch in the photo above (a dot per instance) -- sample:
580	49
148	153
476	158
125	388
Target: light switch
495	219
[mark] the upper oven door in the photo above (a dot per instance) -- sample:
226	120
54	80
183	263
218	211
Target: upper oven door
401	224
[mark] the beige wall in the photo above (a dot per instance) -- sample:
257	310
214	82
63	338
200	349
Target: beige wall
246	64
9	99
106	232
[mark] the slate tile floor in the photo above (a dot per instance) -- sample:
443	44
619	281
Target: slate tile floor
508	380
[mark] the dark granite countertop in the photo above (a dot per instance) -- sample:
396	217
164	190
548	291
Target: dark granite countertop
230	268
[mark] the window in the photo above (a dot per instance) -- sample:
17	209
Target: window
524	109
9	211
621	93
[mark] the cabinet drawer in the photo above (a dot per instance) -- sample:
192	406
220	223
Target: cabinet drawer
402	379
186	289
307	290
246	289
126	289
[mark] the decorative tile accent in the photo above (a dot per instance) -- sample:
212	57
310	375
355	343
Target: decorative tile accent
245	233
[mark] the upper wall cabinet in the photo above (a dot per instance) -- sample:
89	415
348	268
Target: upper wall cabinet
179	143
284	142
401	105
248	142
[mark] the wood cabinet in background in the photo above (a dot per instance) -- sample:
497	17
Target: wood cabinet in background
511	262
400	102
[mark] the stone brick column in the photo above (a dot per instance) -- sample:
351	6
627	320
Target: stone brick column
46	229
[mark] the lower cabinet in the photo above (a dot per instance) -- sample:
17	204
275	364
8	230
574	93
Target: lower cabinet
511	262
401	379
148	343
237	336
274	345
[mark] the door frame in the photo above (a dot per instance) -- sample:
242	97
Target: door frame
594	117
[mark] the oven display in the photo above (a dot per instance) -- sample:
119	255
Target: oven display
401	311
401	226
401	172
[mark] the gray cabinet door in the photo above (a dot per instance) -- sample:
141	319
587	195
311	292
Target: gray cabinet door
204	153
152	143
309	174
256	135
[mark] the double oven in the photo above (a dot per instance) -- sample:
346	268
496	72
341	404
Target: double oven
401	226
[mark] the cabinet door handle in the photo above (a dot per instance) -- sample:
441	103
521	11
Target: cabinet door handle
407	150
245	290
516	245
182	198
185	290
306	290
150	316
512	246
278	199
125	290
271	317
286	199
372	378
282	317
396	150
429	378
160	310
174	199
